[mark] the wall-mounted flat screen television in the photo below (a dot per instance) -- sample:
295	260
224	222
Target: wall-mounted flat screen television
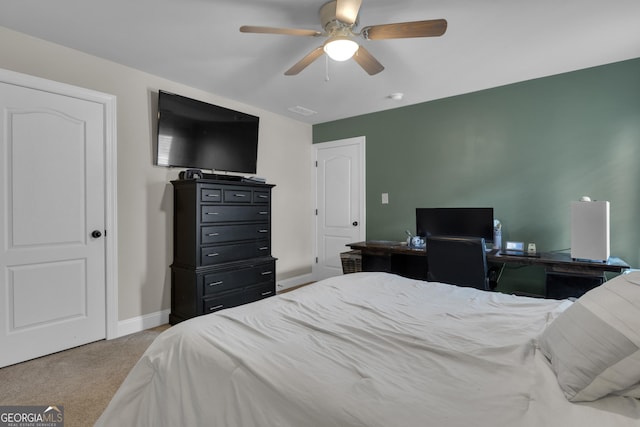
460	222
198	135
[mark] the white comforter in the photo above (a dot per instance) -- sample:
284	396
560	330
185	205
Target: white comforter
366	349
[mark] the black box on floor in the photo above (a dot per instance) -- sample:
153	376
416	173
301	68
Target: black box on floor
562	286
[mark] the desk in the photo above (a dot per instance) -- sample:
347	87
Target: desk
564	276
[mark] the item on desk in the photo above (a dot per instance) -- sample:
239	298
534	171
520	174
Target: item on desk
417	242
517	249
497	234
515	246
590	230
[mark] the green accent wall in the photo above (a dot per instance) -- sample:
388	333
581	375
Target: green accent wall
526	149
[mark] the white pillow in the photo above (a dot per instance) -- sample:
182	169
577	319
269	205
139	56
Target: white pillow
594	345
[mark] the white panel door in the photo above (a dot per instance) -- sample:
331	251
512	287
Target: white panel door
340	201
52	198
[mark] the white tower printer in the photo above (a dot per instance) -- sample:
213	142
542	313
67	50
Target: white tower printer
590	230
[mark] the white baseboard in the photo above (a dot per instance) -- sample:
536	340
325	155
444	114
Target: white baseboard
148	321
292	282
140	323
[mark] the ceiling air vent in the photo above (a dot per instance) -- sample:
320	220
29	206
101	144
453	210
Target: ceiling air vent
302	111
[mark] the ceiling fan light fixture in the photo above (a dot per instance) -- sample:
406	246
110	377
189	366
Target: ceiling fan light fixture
340	48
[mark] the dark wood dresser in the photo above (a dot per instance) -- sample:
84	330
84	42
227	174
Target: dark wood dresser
221	246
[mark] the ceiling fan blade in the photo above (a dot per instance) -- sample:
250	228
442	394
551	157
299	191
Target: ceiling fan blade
430	28
305	62
347	10
273	30
367	61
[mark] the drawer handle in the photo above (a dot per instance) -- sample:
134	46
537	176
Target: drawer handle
213	254
262	196
212	195
263	213
264	294
212	213
216	307
213	234
266	273
263	231
264	248
239	195
218	283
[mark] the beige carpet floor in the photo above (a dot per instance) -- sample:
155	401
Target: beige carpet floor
82	379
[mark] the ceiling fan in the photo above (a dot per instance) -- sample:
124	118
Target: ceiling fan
339	18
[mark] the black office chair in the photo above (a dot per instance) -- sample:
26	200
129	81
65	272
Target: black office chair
458	261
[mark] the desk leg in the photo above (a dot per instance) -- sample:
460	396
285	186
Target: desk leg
495	272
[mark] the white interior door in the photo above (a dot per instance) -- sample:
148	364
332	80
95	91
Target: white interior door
340	202
52	222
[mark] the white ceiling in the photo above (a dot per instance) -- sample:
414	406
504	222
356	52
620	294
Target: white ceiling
488	43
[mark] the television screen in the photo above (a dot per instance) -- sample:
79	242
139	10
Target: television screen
461	222
195	134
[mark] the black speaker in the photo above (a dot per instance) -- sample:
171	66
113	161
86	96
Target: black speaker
190	174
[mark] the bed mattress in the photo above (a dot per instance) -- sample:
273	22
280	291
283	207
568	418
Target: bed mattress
364	349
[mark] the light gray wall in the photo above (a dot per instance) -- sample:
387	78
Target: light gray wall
144	194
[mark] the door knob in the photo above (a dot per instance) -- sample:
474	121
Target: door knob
96	234
354	223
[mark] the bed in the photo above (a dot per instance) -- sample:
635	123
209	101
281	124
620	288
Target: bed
375	349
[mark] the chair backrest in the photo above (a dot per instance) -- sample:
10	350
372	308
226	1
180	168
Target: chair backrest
458	261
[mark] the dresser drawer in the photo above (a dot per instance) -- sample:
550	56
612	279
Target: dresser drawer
228	233
224	253
215	213
218	282
235	279
237	196
210	195
259	292
227	300
261	196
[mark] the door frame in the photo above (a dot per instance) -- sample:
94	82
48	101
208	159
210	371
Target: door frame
110	167
361	142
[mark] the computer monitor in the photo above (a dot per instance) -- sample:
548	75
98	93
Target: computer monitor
462	222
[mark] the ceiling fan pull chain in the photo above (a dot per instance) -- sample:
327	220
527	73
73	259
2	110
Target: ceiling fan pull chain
326	78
